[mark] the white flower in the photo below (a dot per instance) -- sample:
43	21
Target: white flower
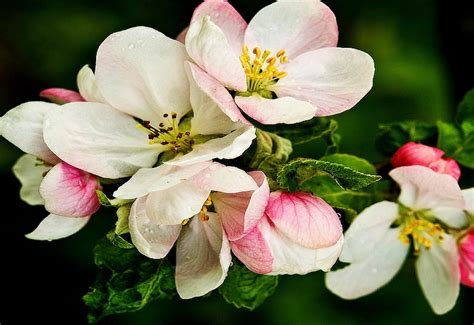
140	73
293	57
378	241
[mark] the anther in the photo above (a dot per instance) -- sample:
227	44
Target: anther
165	115
174	115
280	53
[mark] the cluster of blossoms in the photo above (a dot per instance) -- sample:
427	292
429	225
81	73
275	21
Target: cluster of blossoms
167	118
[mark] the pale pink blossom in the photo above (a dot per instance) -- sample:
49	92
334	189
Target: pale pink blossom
173	206
299	233
413	153
284	66
466	259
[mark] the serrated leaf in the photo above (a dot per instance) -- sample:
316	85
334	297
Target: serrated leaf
351	161
392	136
297	171
127	281
465	114
456	144
246	289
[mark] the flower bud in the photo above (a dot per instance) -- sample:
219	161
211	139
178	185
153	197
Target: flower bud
466	259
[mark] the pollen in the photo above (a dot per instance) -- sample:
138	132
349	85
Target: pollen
262	71
422	233
168	134
203	216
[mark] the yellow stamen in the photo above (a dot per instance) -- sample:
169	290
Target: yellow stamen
280	53
420	231
203	216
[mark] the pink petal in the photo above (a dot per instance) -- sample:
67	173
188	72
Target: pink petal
182	35
61	96
413	153
253	251
227	19
466	259
240	212
296	27
304	218
446	166
217	92
70	192
285	110
422	188
332	79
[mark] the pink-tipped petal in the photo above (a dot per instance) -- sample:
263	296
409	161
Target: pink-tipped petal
305	219
423	188
240	212
446	166
285	110
253	251
216	92
227	19
296	27
202	257
332	79
71	192
466	259
207	45
61	95
149	237
413	153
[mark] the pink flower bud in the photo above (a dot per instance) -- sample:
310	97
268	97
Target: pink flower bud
413	153
466	259
62	96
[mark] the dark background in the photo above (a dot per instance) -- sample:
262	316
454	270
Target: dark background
423	68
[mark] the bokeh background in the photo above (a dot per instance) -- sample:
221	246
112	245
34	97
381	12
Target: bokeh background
424	65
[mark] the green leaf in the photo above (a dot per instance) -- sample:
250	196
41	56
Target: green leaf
465	114
392	136
121	226
106	202
118	240
456	143
350	201
297	171
246	289
127	281
351	161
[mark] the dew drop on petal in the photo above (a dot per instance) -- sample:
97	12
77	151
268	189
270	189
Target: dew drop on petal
374	270
131	46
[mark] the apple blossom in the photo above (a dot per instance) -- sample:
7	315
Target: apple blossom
283	67
413	153
68	193
378	240
173	205
466	243
299	233
143	78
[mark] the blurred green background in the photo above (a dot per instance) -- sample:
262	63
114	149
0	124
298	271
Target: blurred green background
423	67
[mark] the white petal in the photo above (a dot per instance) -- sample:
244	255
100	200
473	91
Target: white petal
99	140
88	85
208	118
174	205
279	110
207	45
328	256
140	71
226	179
147	180
452	217
332	79
423	188
30	174
56	227
202	257
227	18
438	272
295	27
377	269
469	199
23	126
150	238
231	146
368	230
216	92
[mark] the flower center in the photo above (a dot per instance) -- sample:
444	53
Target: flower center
262	71
169	134
422	232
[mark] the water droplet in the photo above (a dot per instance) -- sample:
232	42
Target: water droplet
131	46
374	270
339	215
